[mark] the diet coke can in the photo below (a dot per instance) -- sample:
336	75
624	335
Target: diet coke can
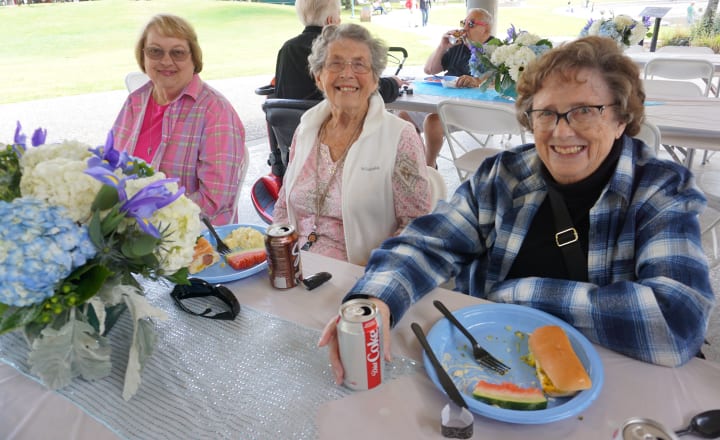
283	256
361	344
642	429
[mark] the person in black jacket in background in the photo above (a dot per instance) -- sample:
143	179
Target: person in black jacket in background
292	76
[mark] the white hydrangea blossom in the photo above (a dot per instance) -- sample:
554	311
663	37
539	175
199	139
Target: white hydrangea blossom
183	217
625	30
55	174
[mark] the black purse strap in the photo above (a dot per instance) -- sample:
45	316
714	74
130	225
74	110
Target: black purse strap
567	238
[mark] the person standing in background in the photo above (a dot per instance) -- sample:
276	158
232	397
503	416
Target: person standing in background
691	13
425	10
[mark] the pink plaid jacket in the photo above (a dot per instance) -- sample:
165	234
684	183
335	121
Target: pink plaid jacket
202	144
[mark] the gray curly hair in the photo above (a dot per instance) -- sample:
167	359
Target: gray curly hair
350	31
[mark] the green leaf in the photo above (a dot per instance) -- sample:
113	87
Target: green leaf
111	221
143	342
74	350
95	231
139	246
89	279
13	318
179	277
105	199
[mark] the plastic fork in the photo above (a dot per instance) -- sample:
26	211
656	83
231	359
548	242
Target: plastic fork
219	244
482	356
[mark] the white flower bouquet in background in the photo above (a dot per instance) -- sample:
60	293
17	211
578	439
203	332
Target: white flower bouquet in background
501	62
625	30
80	224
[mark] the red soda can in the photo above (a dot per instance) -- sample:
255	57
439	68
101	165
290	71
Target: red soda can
283	256
361	344
640	428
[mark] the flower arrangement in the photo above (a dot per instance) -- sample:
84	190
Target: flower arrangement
501	62
80	224
625	30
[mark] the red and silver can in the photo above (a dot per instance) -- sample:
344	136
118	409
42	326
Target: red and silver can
283	256
642	429
361	344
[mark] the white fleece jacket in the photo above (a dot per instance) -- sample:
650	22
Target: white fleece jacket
368	206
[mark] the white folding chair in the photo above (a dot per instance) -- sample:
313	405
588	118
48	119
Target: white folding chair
681	69
438	187
686	49
464	122
659	88
650	134
135	80
687	69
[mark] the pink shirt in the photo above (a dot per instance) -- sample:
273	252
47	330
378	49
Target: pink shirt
151	131
202	143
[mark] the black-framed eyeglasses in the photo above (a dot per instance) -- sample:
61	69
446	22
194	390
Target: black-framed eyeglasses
471	23
337	66
199	288
157	53
579	118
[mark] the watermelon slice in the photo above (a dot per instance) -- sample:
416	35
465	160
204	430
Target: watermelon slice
510	396
245	258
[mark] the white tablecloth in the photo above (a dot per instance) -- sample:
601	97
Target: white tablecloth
407	407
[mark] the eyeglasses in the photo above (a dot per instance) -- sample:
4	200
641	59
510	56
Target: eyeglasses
579	118
339	66
471	23
156	53
199	288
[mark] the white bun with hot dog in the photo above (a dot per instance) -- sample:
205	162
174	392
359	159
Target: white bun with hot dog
558	368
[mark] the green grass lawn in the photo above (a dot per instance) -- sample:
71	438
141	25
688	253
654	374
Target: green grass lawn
58	49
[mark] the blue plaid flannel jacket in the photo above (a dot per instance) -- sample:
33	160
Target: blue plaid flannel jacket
648	295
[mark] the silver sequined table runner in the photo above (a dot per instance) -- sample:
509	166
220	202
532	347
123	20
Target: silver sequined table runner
258	377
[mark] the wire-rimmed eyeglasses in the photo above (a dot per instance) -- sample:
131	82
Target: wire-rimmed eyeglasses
471	23
356	66
157	53
579	118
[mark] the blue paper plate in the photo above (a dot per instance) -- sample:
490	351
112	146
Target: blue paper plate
221	272
503	330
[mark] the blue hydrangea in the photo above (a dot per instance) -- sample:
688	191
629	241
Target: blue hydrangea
40	245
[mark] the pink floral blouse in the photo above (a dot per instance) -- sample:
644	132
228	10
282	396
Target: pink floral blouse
410	195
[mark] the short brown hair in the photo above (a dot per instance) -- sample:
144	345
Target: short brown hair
170	26
597	53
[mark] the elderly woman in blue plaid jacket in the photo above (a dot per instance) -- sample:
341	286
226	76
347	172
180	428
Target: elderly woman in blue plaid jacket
641	287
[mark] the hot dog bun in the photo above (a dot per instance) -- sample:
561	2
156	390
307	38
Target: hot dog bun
204	256
558	368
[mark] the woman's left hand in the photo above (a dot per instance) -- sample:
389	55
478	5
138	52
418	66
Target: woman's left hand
467	81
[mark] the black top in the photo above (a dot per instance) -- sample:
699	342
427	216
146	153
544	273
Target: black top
455	61
539	255
292	76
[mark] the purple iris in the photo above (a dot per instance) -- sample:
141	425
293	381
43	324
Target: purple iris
20	138
142	205
108	157
511	34
38	137
105	175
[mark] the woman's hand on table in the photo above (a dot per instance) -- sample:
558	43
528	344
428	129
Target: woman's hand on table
329	338
467	81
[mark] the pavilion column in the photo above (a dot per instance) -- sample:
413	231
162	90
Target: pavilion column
488	5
